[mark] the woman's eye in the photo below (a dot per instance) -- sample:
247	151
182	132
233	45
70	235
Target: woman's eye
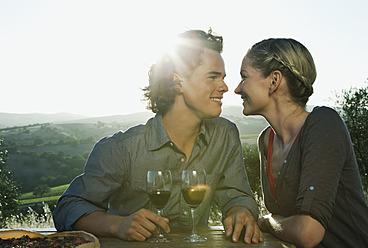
243	76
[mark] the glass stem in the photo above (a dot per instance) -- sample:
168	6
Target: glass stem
159	234
194	233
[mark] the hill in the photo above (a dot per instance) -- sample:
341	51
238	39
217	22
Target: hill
52	154
11	120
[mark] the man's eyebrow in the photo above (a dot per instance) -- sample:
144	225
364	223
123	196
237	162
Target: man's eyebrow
214	73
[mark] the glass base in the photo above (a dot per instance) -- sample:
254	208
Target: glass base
194	238
159	239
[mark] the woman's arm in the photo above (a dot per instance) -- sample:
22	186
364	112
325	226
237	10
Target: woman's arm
301	230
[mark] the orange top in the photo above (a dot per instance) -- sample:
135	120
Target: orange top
271	179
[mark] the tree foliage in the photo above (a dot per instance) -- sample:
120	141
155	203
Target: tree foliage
41	190
354	111
9	190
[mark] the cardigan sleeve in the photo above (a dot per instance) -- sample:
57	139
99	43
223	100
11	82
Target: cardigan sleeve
325	146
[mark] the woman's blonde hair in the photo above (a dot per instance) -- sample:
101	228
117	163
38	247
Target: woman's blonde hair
291	58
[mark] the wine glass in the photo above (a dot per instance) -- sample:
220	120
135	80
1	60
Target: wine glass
193	188
158	186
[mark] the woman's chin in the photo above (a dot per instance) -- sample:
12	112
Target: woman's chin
246	111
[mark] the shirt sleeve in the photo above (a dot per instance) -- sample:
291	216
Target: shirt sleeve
324	150
234	189
90	191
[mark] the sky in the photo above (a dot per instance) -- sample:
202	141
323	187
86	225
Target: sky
92	57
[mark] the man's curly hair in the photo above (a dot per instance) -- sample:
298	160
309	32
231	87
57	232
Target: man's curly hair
185	57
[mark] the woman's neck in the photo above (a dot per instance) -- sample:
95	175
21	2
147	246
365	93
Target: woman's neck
287	122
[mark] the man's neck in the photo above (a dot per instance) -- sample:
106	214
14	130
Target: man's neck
183	129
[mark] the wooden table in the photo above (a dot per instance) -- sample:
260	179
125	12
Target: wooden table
215	238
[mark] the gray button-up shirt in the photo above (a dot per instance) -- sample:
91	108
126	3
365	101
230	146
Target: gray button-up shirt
114	179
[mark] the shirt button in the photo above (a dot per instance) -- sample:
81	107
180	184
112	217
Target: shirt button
182	160
285	161
185	212
311	187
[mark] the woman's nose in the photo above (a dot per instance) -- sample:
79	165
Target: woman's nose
238	89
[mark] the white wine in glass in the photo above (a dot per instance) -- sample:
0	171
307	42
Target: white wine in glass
193	188
159	184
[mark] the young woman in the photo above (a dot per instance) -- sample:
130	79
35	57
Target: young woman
309	173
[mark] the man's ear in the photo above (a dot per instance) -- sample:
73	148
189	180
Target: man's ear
275	78
178	83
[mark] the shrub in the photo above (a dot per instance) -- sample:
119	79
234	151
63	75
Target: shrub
32	219
251	163
354	111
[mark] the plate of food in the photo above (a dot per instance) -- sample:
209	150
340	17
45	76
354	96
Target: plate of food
25	238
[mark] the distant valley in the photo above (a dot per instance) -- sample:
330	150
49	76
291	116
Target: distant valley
52	149
11	120
246	125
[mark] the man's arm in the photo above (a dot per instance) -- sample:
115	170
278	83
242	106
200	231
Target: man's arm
238	218
234	195
136	227
301	230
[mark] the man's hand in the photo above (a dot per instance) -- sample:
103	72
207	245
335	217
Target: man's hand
238	218
141	225
136	227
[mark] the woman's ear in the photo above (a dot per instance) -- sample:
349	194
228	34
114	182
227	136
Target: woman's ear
275	78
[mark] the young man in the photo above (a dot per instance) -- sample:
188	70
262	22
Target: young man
185	91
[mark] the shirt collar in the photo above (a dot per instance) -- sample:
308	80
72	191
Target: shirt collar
202	131
156	133
158	137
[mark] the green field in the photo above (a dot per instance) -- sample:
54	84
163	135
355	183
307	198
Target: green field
53	195
249	136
